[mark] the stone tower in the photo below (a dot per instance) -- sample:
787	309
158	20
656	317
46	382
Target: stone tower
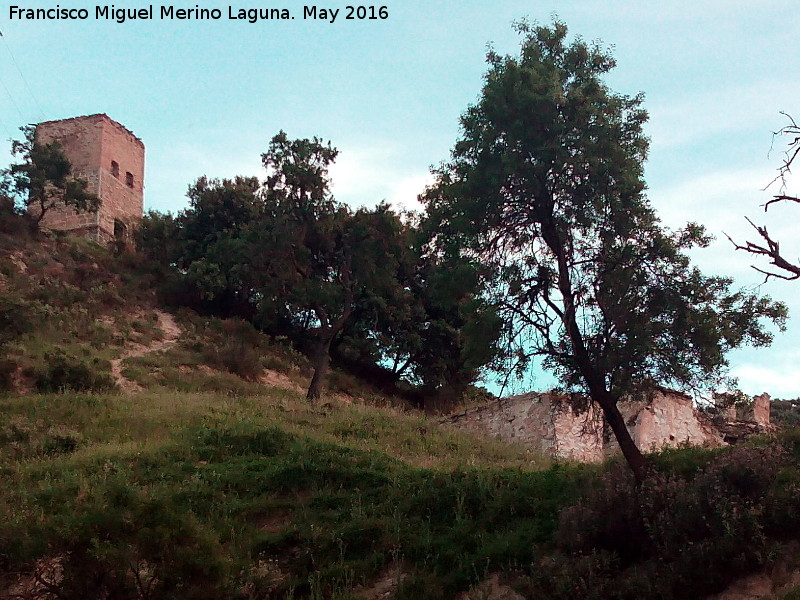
111	159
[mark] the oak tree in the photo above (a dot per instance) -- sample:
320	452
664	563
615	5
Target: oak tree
546	186
321	258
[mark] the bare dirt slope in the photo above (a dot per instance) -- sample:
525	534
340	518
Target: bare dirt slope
171	333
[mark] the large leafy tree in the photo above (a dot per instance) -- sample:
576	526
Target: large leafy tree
320	258
546	186
43	179
432	329
461	330
215	237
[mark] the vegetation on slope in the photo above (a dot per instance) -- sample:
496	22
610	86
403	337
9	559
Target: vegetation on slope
209	483
212	482
187	495
71	307
212	496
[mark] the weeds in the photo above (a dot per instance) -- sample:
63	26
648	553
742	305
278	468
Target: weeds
62	372
240	497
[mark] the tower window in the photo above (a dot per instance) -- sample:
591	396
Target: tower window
129	179
115	168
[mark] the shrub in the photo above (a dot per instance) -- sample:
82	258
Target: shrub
63	372
61	440
687	531
16	319
12	221
7	369
241	359
21	438
121	543
239	349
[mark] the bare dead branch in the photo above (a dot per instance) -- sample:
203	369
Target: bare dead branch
781	198
771	249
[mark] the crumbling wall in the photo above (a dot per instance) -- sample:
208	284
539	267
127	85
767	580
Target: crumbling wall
578	434
548	423
543	422
666	420
758	411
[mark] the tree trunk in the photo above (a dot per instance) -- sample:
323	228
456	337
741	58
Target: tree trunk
594	378
633	456
321	361
322	355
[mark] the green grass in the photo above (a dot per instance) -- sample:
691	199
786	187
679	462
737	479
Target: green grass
209	484
274	494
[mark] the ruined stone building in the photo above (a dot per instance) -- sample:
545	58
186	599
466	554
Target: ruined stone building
548	423
111	159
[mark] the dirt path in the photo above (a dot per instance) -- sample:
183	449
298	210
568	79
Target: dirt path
171	331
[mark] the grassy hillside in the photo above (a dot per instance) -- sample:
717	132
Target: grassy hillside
258	492
207	475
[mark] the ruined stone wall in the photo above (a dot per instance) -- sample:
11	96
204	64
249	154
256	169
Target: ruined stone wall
547	423
758	411
666	420
111	159
543	422
578	435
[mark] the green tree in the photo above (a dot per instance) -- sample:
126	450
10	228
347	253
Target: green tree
431	329
157	238
215	234
320	257
461	328
44	179
546	186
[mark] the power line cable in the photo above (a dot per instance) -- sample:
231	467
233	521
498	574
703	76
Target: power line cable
10	97
6	129
22	76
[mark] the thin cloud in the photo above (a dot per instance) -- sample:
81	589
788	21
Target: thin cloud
694	117
366	176
780	380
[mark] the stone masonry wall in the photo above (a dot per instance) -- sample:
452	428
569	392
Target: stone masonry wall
547	423
667	420
544	422
92	144
757	412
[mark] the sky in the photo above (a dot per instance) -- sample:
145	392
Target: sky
206	96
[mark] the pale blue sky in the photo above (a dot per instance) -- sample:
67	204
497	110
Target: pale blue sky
206	97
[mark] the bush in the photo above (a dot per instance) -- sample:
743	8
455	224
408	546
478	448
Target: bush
63	372
239	351
16	319
7	369
12	221
122	543
684	533
241	359
21	438
61	440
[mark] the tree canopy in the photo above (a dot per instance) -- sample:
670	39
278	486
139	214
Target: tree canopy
545	187
352	284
